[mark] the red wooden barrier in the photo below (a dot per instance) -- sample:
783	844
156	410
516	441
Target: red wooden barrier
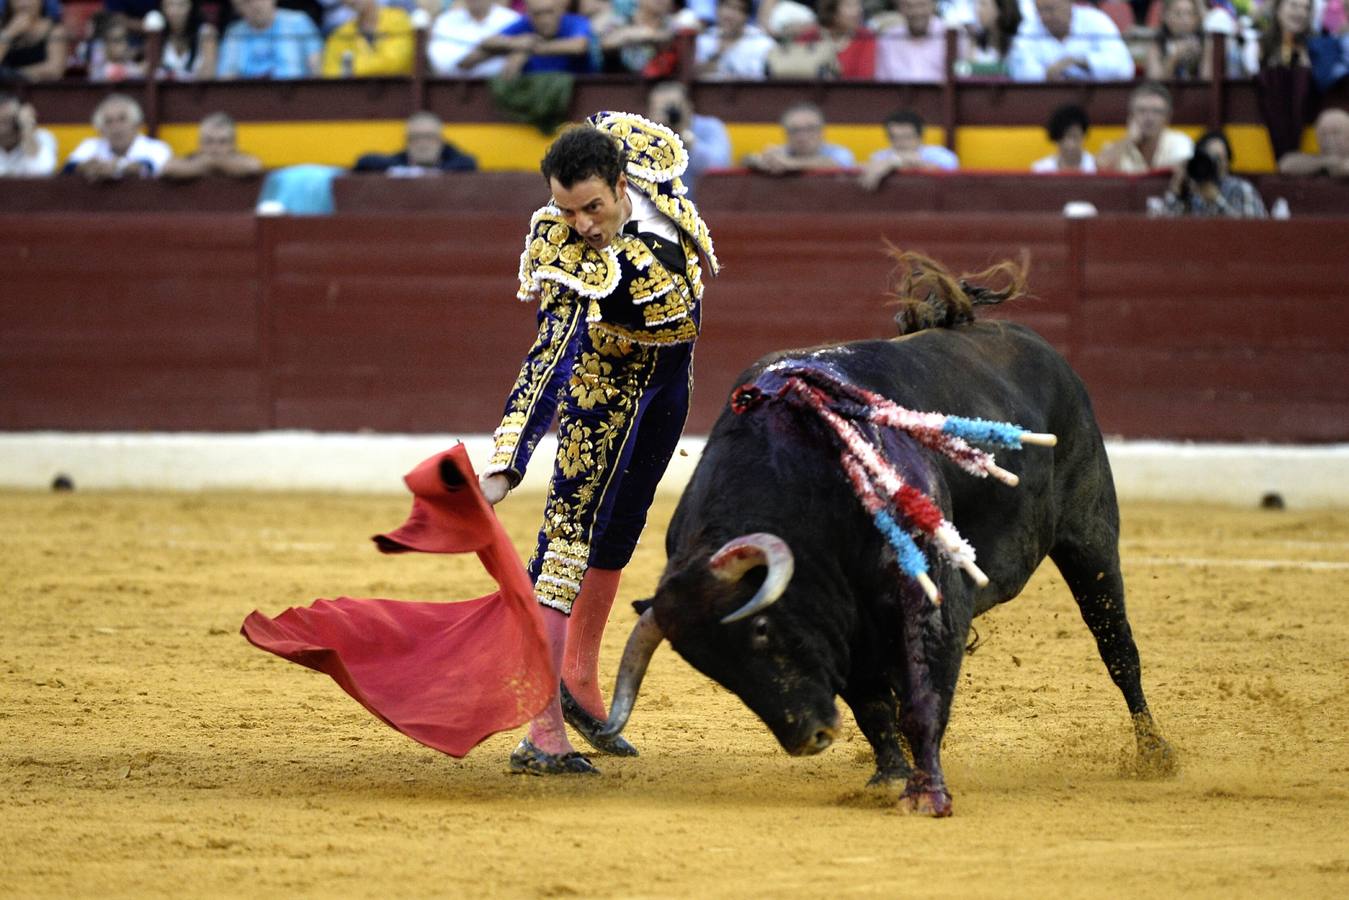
408	322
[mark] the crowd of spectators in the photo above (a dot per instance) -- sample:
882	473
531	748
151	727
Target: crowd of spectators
887	40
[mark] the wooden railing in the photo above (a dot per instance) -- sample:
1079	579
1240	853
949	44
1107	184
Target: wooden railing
398	321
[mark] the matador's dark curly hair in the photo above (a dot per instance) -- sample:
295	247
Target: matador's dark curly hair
584	152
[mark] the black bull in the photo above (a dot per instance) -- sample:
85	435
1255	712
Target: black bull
846	622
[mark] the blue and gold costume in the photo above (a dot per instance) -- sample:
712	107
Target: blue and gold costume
613	358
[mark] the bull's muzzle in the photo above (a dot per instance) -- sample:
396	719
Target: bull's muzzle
818	738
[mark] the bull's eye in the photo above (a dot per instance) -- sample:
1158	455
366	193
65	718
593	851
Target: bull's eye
759	630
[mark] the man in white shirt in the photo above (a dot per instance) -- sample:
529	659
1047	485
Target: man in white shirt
1148	144
26	151
735	49
120	149
458	30
1065	42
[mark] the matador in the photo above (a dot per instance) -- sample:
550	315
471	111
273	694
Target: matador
616	264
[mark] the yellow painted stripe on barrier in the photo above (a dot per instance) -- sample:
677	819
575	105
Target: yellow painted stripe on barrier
520	147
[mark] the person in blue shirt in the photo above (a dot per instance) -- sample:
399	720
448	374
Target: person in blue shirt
270	43
805	149
907	151
547	39
705	138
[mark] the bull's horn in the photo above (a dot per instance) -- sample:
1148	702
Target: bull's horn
645	638
732	561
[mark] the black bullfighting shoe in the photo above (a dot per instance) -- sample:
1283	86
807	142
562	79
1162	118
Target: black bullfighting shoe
589	728
528	759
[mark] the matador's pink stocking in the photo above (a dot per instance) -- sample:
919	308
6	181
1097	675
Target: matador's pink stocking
589	614
547	730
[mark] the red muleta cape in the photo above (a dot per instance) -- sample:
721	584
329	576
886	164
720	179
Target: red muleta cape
448	675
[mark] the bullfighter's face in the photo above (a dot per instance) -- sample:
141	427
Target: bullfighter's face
596	210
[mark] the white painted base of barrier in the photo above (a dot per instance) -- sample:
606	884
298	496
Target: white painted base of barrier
1233	474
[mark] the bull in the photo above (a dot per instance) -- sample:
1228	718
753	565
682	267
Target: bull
780	586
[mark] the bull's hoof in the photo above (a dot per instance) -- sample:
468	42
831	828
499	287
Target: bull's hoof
926	796
1156	758
588	727
936	804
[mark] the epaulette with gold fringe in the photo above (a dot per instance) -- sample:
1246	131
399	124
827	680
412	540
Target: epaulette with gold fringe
553	252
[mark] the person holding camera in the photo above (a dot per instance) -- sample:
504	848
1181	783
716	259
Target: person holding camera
705	138
1205	185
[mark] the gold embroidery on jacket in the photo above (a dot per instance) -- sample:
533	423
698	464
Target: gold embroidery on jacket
555	253
682	333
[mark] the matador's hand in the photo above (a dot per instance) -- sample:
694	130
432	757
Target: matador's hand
494	487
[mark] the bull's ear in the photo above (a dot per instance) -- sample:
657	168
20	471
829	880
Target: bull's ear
643	605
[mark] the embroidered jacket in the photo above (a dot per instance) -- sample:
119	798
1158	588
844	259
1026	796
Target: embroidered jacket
628	292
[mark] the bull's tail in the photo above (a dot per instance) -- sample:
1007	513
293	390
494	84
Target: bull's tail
928	296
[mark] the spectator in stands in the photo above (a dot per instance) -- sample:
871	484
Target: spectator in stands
705	11
603	18
907	152
1148	144
26	151
1284	39
330	14
191	44
547	39
841	46
1069	43
1287	92
805	148
120	149
426	153
33	43
1332	139
131	13
112	58
784	20
1068	130
217	154
989	38
325	14
1179	50
705	137
1243	53
913	49
1334	18
1205	185
734	49
377	42
641	42
458	31
270	43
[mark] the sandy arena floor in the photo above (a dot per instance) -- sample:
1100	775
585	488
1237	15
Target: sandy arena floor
147	750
